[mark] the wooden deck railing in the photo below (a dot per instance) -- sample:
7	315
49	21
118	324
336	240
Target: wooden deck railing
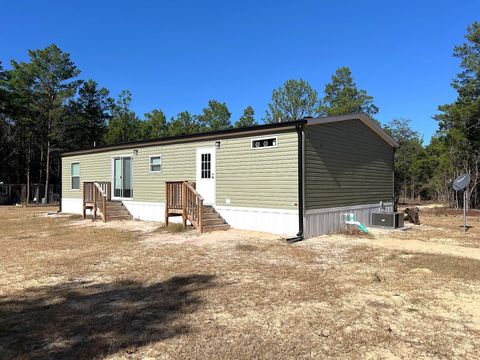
96	195
181	198
173	196
193	204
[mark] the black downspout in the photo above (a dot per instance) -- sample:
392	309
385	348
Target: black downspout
60	189
299	237
394	196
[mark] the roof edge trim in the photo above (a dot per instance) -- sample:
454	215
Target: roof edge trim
219	134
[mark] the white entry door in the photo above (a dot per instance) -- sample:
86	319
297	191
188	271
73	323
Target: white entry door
206	174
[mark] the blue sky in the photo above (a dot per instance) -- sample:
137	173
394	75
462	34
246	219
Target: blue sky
176	55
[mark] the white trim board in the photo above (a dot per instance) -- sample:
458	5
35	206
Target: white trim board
345	208
254	209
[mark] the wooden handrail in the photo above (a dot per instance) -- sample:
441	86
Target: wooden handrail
96	194
191	187
173	194
193	205
106	187
181	198
103	196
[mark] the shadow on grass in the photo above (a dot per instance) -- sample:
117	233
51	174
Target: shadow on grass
83	320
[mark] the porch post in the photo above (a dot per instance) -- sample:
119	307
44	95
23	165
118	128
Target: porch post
83	202
184	204
94	203
166	203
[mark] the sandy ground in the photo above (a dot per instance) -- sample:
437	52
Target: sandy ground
72	288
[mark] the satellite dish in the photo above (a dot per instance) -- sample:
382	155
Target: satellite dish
461	182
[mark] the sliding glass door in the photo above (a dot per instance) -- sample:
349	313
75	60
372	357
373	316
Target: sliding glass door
122	177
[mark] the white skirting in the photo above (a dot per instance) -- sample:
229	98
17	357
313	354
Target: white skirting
72	206
325	221
275	221
150	211
140	210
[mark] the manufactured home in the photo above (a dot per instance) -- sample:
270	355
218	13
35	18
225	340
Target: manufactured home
297	178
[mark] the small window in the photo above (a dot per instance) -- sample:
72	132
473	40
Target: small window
206	166
264	143
75	174
155	164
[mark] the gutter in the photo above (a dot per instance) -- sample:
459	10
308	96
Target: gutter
394	195
60	189
299	237
216	135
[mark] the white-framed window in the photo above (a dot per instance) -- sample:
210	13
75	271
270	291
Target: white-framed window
265	142
206	166
75	176
155	163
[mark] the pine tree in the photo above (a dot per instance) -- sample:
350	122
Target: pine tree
124	125
214	117
247	119
295	100
49	81
459	122
342	97
88	116
183	124
154	126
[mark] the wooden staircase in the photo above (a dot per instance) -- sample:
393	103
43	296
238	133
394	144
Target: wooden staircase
97	198
182	199
117	211
212	220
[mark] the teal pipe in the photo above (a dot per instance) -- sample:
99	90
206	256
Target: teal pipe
350	220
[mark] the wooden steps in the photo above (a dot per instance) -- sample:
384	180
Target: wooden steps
97	198
182	199
212	220
117	211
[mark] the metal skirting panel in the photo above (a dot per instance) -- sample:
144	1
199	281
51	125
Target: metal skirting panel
327	221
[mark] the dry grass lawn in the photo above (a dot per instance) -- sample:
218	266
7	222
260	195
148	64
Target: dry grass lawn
71	288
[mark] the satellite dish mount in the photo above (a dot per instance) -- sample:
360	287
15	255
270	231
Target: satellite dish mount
460	184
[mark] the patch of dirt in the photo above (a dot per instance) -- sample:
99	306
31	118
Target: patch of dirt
120	225
72	288
192	237
446	211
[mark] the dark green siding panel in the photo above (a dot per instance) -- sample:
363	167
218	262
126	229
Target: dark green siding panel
346	163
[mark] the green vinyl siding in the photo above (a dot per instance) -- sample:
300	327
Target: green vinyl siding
346	163
264	177
249	178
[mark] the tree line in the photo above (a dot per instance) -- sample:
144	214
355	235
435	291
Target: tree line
427	172
46	108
